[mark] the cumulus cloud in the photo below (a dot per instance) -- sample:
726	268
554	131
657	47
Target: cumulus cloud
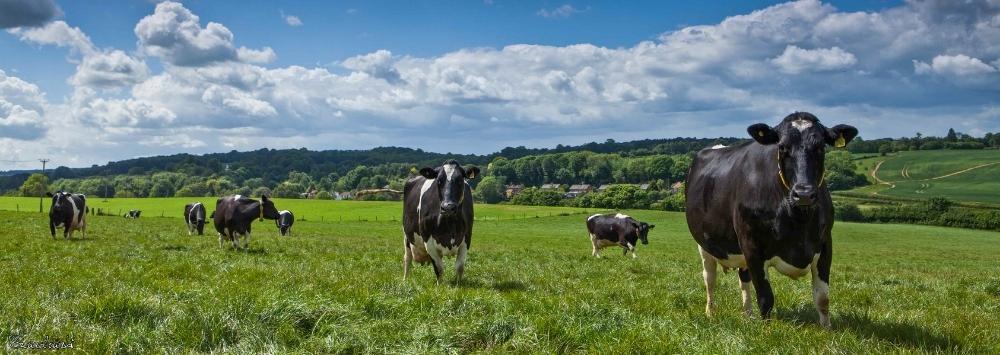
293	21
22	105
58	33
27	13
795	60
870	69
563	11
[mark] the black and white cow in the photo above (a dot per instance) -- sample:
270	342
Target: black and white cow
616	229
194	217
234	216
133	214
68	211
284	222
763	204
437	217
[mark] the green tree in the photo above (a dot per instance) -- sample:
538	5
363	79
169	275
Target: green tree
491	189
35	185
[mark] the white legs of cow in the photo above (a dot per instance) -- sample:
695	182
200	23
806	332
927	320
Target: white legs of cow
821	297
709	268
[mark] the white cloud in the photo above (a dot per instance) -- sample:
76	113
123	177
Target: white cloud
22	105
58	33
563	11
954	65
795	60
27	13
869	69
293	21
261	56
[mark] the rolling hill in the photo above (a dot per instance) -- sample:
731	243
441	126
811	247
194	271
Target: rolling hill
960	175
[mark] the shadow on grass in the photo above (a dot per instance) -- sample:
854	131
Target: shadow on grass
501	286
864	326
175	248
78	239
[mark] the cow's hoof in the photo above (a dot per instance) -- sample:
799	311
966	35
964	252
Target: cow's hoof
709	310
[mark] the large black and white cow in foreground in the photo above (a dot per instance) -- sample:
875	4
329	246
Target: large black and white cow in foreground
284	222
617	229
234	216
437	217
194	218
763	204
68	211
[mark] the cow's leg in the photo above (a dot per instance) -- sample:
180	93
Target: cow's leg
745	291
52	229
435	253
821	285
758	275
246	241
463	251
593	241
190	228
632	248
235	239
407	257
708	269
83	228
67	232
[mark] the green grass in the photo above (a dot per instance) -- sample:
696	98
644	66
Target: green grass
915	175
313	210
531	286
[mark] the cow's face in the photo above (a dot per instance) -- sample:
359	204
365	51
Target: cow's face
61	203
801	147
643	231
268	209
449	181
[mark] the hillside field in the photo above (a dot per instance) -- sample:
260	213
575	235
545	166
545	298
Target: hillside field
960	175
142	286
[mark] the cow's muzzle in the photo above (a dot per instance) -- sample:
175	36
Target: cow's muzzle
803	195
449	208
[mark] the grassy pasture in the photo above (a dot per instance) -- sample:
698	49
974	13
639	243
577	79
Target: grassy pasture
924	174
146	286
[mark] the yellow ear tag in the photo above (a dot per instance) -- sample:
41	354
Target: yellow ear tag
841	142
760	133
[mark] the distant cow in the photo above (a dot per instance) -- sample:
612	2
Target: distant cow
284	222
194	217
437	217
234	216
616	229
68	211
761	204
133	214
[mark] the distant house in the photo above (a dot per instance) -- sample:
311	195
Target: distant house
551	187
604	187
346	195
577	190
514	189
644	187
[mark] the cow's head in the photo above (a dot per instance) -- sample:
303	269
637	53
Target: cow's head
267	209
449	180
61	203
642	229
801	147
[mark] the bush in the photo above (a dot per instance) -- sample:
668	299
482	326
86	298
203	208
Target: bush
324	195
533	196
847	212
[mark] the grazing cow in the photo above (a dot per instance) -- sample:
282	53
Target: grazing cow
437	209
133	214
194	217
235	214
68	211
763	204
284	222
616	229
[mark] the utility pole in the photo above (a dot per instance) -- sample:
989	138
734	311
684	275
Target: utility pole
41	194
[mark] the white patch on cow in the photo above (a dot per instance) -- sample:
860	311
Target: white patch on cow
786	268
802	125
594	216
734	261
423	189
719	146
745	296
77	221
237	197
631	248
621	216
451	172
821	295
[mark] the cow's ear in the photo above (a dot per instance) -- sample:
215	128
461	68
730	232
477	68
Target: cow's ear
264	198
471	172
763	134
429	173
840	135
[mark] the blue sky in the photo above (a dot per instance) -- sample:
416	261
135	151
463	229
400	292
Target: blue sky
99	81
